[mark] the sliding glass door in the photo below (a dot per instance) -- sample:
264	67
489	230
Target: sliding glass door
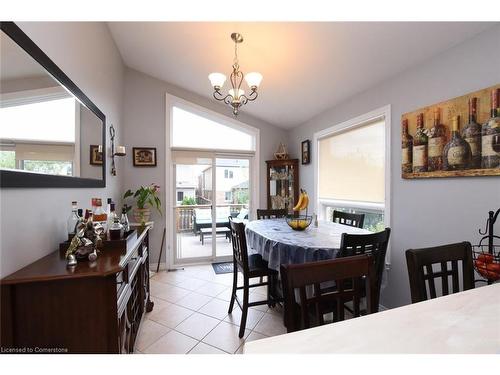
232	197
208	188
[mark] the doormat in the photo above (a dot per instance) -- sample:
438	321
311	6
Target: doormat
224	267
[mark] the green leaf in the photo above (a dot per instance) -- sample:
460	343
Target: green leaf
127	194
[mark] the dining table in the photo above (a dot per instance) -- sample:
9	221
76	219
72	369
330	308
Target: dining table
278	243
460	323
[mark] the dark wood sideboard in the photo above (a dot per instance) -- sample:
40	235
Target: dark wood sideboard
93	308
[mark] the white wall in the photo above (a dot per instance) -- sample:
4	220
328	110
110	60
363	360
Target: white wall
424	212
144	114
33	221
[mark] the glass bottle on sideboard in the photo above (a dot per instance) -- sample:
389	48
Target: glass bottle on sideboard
124	220
420	143
98	214
111	215
457	152
472	134
407	148
437	141
73	220
491	128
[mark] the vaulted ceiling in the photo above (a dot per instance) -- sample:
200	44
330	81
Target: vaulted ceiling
307	67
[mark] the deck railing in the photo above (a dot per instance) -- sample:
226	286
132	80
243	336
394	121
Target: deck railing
184	215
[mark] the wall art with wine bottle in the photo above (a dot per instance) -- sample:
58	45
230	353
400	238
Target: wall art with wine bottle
455	138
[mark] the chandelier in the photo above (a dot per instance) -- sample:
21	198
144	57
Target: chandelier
236	96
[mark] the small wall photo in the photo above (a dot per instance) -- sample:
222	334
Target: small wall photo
144	156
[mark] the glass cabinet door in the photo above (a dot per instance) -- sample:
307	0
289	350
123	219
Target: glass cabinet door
282	189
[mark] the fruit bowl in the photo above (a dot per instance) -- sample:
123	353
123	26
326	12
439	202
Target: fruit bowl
486	264
298	222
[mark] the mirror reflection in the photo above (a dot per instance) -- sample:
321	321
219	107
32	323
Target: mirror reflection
43	128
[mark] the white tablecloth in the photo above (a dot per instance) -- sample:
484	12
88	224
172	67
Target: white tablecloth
280	244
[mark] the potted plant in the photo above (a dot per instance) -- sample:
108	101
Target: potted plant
146	197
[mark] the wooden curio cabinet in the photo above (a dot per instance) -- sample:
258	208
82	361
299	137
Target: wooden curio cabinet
282	183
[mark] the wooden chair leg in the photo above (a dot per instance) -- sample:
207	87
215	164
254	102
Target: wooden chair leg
244	312
235	285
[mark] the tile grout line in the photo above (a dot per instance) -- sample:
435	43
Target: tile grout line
212	298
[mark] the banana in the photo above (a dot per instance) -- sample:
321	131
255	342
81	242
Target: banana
299	203
305	201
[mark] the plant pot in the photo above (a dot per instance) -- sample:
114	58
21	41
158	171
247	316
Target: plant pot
141	215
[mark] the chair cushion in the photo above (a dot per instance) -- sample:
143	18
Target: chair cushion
243	213
223	213
203	214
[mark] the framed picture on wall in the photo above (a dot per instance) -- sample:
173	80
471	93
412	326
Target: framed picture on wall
95	155
144	156
306	152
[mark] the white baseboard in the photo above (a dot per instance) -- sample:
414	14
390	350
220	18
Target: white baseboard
163	266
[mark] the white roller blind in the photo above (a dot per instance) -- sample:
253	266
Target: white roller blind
351	164
192	157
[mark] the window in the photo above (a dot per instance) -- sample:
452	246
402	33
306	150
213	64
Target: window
351	169
33	138
7	159
56	167
36	121
192	130
180	196
228	173
228	196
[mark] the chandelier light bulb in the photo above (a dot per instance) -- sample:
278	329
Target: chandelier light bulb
239	94
253	80
217	79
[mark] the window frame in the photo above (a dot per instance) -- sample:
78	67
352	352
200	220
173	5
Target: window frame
359	121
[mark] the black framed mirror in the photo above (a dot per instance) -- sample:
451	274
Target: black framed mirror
51	133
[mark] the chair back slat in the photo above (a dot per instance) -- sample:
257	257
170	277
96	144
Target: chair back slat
430	277
239	242
346	218
271	214
419	259
454	276
444	278
374	244
349	275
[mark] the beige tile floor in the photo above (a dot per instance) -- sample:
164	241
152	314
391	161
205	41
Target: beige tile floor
190	315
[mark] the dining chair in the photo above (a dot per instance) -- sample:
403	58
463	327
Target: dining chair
250	266
349	275
346	218
420	264
271	214
374	244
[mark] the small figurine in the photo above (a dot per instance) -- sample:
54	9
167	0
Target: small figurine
71	260
85	243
